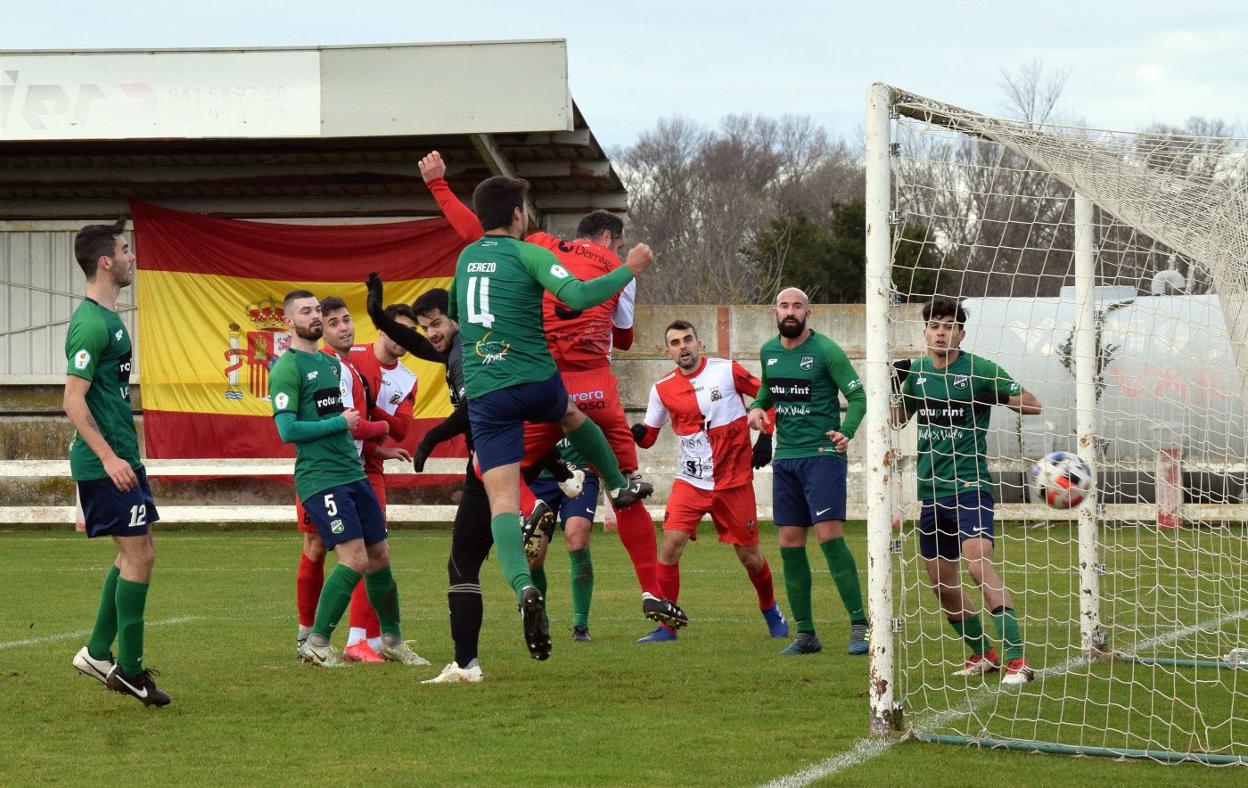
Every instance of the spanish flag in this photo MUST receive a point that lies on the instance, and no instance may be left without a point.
(210, 318)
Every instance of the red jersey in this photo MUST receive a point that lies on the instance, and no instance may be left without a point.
(351, 387)
(577, 339)
(393, 391)
(709, 417)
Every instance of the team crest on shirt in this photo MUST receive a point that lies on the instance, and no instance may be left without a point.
(807, 362)
(491, 350)
(82, 358)
(336, 526)
(396, 398)
(715, 395)
(961, 381)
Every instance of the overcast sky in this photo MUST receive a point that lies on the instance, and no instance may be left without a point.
(630, 63)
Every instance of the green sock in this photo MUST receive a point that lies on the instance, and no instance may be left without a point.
(971, 630)
(1005, 621)
(335, 596)
(592, 444)
(131, 599)
(383, 595)
(797, 585)
(845, 573)
(539, 578)
(582, 570)
(105, 629)
(509, 547)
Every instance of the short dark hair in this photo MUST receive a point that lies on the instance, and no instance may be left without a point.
(496, 199)
(432, 302)
(594, 224)
(95, 241)
(944, 307)
(680, 325)
(399, 310)
(294, 295)
(332, 304)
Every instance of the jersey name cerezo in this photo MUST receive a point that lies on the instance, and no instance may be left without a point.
(307, 385)
(804, 385)
(953, 406)
(98, 350)
(497, 292)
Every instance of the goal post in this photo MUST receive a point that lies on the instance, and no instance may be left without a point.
(1107, 273)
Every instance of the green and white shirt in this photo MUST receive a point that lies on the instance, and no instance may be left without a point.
(497, 298)
(804, 385)
(98, 349)
(953, 406)
(307, 384)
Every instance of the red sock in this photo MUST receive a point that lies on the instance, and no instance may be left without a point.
(362, 614)
(637, 535)
(669, 580)
(308, 582)
(763, 585)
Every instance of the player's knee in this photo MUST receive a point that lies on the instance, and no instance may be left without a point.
(576, 537)
(572, 417)
(751, 558)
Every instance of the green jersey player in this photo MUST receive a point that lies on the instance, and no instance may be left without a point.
(104, 461)
(510, 377)
(306, 393)
(804, 376)
(953, 392)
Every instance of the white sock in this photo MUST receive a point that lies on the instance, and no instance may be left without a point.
(355, 635)
(375, 643)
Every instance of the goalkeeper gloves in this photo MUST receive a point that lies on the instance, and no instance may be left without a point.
(423, 450)
(639, 433)
(901, 370)
(761, 456)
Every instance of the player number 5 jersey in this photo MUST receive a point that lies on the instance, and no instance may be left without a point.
(708, 416)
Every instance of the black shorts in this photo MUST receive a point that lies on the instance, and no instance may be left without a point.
(111, 512)
(345, 512)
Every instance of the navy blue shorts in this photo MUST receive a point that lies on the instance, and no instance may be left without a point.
(345, 512)
(944, 523)
(111, 512)
(584, 505)
(498, 418)
(808, 490)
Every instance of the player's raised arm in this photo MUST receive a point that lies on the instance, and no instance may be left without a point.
(410, 340)
(578, 294)
(461, 217)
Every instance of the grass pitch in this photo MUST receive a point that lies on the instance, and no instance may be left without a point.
(718, 707)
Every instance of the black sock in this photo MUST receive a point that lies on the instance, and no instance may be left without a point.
(466, 612)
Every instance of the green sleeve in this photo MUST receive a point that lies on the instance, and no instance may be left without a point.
(908, 400)
(291, 430)
(995, 379)
(284, 386)
(842, 373)
(577, 294)
(86, 340)
(763, 398)
(452, 308)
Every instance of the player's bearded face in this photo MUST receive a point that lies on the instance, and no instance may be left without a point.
(308, 326)
(791, 325)
(439, 330)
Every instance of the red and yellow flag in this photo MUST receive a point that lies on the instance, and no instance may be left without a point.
(210, 317)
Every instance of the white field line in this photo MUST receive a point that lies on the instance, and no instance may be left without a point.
(869, 748)
(86, 632)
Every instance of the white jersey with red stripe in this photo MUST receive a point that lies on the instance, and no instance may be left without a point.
(351, 387)
(709, 417)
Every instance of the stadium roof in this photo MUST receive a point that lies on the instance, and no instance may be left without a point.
(329, 131)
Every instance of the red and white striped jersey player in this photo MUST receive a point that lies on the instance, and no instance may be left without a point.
(702, 398)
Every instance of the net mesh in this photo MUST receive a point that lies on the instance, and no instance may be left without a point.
(983, 211)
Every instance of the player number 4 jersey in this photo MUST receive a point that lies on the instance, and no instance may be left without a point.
(709, 417)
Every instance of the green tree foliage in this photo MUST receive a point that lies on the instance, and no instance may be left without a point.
(827, 258)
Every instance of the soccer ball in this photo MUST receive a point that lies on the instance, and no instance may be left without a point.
(1061, 480)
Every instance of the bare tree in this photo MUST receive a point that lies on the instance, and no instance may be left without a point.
(701, 197)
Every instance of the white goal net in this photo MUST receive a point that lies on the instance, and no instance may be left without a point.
(1106, 273)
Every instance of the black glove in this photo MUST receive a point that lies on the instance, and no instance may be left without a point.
(639, 432)
(761, 456)
(901, 370)
(375, 292)
(423, 450)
